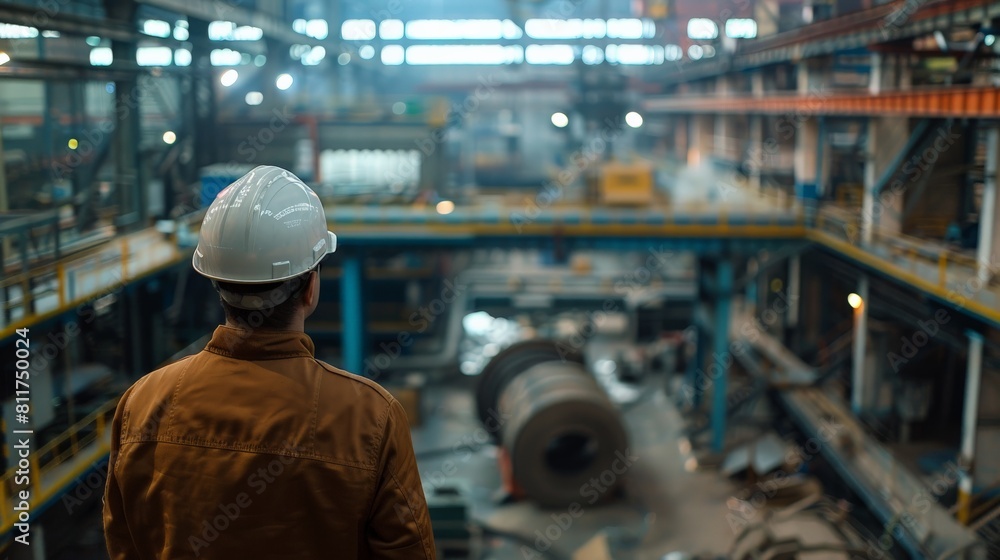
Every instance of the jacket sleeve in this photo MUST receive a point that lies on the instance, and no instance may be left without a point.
(399, 526)
(116, 532)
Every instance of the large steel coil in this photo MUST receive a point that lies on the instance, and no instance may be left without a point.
(558, 426)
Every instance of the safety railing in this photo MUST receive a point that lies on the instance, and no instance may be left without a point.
(748, 208)
(59, 461)
(58, 286)
(955, 274)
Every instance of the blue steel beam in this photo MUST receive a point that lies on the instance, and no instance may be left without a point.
(352, 311)
(720, 339)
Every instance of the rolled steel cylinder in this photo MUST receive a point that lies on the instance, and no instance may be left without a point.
(558, 426)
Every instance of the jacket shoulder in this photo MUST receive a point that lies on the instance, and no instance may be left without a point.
(145, 404)
(371, 386)
(164, 374)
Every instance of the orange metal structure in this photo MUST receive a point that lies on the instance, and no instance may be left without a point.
(960, 102)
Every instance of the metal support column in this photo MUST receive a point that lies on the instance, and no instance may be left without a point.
(793, 334)
(987, 217)
(203, 96)
(794, 290)
(755, 150)
(870, 184)
(970, 417)
(751, 286)
(695, 368)
(125, 143)
(858, 381)
(720, 355)
(352, 313)
(5, 245)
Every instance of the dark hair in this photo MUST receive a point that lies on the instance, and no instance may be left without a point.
(278, 317)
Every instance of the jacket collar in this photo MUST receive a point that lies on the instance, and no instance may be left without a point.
(260, 344)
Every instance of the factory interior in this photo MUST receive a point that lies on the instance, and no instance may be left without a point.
(652, 279)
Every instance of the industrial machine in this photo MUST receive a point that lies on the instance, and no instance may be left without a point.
(626, 184)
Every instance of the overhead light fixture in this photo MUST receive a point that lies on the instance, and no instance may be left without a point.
(4, 58)
(854, 300)
(284, 81)
(560, 120)
(169, 137)
(254, 98)
(445, 207)
(229, 77)
(633, 119)
(73, 143)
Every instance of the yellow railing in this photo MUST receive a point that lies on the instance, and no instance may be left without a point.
(85, 437)
(906, 251)
(53, 288)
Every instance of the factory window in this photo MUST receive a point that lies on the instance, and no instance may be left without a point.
(455, 29)
(101, 56)
(297, 51)
(317, 29)
(225, 57)
(554, 28)
(369, 171)
(358, 30)
(511, 30)
(156, 28)
(549, 54)
(313, 56)
(393, 55)
(463, 54)
(702, 28)
(635, 54)
(181, 32)
(741, 28)
(182, 57)
(11, 31)
(229, 31)
(154, 56)
(627, 28)
(592, 55)
(391, 29)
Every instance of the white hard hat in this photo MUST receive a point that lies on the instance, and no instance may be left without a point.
(266, 227)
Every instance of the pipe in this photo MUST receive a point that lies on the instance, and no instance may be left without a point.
(557, 426)
(970, 416)
(858, 390)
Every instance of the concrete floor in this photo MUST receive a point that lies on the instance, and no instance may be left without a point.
(664, 508)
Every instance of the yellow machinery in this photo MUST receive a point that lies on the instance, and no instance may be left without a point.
(625, 184)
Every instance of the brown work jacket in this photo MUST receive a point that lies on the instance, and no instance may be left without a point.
(251, 449)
